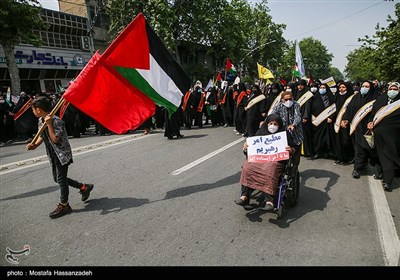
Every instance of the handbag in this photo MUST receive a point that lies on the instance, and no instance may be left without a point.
(369, 137)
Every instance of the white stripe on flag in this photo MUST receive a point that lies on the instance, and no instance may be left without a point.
(161, 82)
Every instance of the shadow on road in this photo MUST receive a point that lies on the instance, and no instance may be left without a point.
(184, 191)
(111, 205)
(310, 199)
(33, 193)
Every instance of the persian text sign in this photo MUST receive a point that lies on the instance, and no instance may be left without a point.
(267, 147)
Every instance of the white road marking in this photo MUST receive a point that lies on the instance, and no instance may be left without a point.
(206, 157)
(386, 228)
(32, 162)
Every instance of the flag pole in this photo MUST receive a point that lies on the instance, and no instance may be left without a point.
(52, 113)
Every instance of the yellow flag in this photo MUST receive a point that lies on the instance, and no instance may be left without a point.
(264, 73)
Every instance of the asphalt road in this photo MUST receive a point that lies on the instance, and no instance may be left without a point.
(160, 202)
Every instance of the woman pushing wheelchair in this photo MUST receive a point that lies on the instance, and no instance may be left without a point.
(264, 176)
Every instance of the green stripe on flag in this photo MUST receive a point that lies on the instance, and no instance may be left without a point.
(133, 76)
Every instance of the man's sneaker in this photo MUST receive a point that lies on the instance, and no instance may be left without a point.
(86, 191)
(61, 210)
(356, 174)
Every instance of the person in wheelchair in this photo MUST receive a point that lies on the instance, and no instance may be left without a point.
(264, 176)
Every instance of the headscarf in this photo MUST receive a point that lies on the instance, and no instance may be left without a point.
(263, 130)
(396, 84)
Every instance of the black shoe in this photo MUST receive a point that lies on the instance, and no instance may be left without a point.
(85, 193)
(242, 202)
(180, 136)
(338, 162)
(316, 156)
(61, 210)
(387, 187)
(356, 174)
(378, 176)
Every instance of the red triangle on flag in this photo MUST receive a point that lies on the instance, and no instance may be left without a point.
(131, 48)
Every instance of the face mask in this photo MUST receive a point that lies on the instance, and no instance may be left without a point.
(392, 93)
(274, 90)
(364, 90)
(313, 89)
(22, 95)
(2, 101)
(289, 89)
(343, 93)
(273, 128)
(288, 103)
(322, 91)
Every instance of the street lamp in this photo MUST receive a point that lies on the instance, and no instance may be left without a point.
(250, 52)
(256, 48)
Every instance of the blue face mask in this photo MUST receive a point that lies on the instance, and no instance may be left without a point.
(364, 90)
(392, 94)
(322, 91)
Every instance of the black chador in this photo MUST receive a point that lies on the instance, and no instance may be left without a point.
(387, 138)
(362, 151)
(305, 110)
(254, 113)
(322, 135)
(343, 146)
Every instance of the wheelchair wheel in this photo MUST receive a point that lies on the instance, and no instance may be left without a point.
(293, 191)
(281, 211)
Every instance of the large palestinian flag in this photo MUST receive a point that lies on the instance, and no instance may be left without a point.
(120, 88)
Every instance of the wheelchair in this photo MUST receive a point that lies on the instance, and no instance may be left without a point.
(288, 189)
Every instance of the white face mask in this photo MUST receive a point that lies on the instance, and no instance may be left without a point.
(364, 90)
(2, 101)
(273, 128)
(288, 103)
(392, 93)
(314, 89)
(289, 89)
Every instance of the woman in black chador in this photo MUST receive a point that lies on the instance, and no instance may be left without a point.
(255, 113)
(362, 151)
(385, 122)
(343, 146)
(322, 134)
(172, 124)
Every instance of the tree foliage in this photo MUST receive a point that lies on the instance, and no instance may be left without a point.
(379, 56)
(18, 19)
(224, 28)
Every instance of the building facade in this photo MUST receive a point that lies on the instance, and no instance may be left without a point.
(66, 47)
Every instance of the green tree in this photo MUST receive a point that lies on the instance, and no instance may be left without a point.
(383, 51)
(223, 28)
(265, 37)
(336, 74)
(388, 53)
(361, 64)
(18, 19)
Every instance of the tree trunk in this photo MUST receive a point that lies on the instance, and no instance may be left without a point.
(12, 69)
